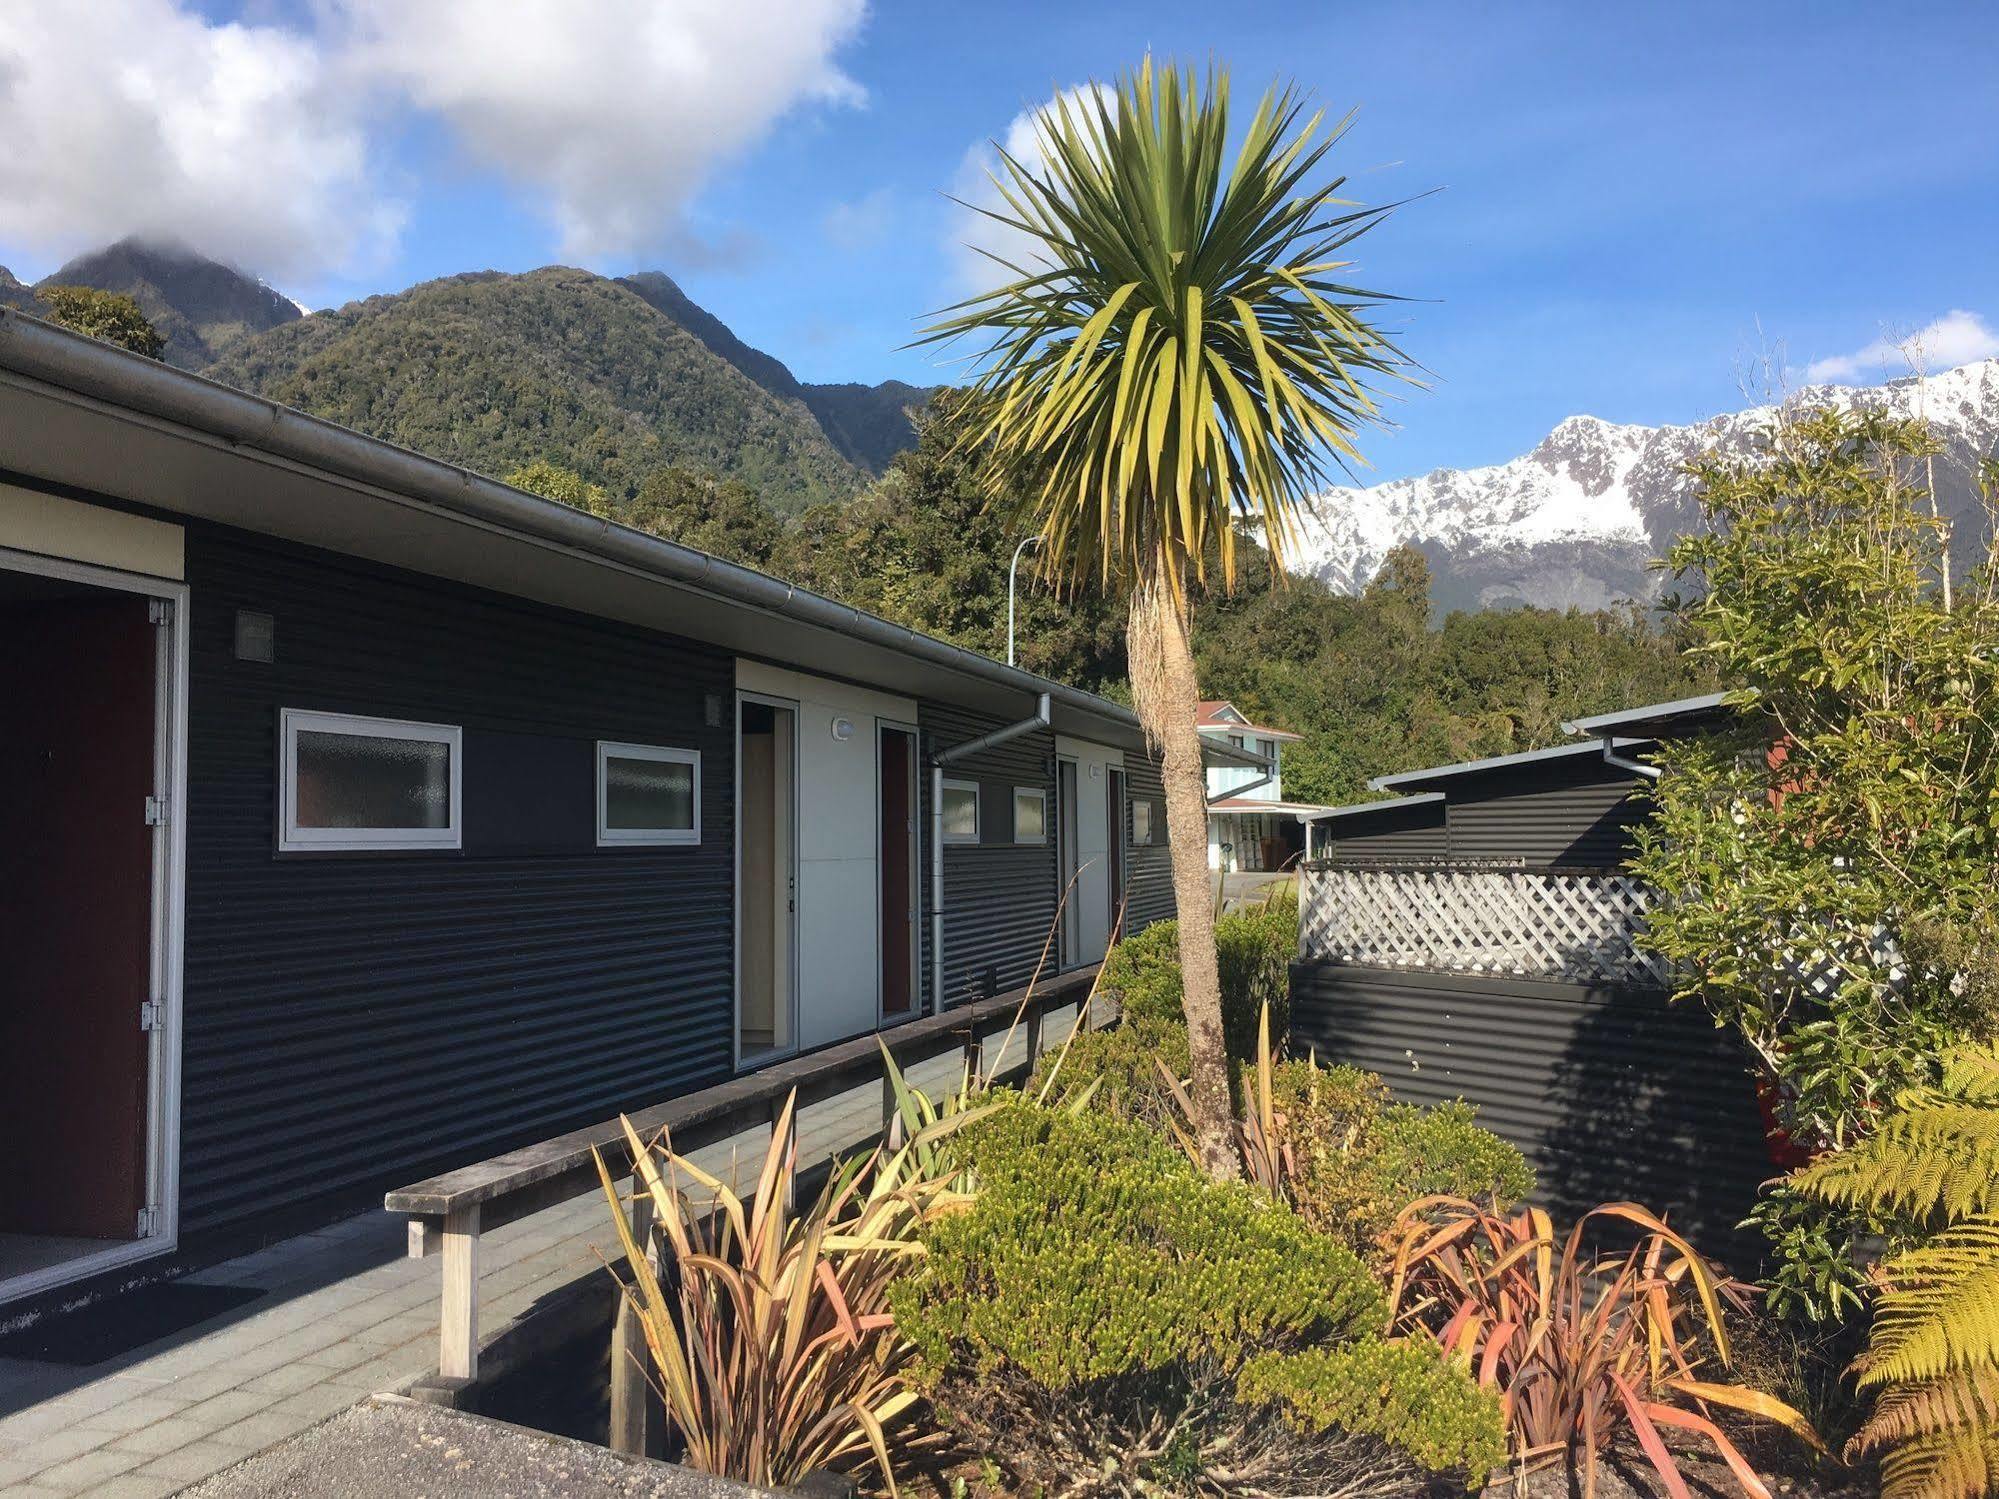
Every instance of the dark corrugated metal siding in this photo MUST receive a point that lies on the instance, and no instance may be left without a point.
(1149, 869)
(999, 897)
(1577, 811)
(1612, 1093)
(355, 1020)
(1394, 835)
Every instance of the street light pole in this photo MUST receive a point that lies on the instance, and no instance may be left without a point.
(1012, 571)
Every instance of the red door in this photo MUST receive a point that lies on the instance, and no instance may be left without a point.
(77, 681)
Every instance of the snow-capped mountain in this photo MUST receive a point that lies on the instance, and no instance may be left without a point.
(1577, 520)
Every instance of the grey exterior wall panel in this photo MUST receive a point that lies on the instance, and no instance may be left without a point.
(1565, 813)
(1611, 1093)
(356, 1019)
(999, 897)
(1395, 835)
(1148, 869)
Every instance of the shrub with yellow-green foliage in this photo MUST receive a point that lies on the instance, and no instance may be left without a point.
(1389, 1389)
(1360, 1158)
(1253, 951)
(1094, 1249)
(1122, 1064)
(1084, 1320)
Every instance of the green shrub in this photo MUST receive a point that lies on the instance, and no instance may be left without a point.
(1085, 1320)
(1362, 1158)
(1253, 953)
(1388, 1389)
(1094, 1250)
(1123, 1064)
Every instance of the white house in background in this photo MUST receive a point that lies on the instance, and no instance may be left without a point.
(1250, 824)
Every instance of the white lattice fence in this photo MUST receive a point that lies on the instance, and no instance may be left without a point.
(1469, 920)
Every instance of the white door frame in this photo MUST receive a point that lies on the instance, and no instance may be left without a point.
(169, 919)
(775, 1054)
(915, 1010)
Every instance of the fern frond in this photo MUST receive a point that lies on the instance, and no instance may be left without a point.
(1957, 1464)
(1967, 1398)
(1937, 1158)
(1972, 1074)
(1939, 1307)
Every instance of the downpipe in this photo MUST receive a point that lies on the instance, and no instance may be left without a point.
(1623, 762)
(938, 761)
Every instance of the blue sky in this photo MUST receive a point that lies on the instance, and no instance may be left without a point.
(1632, 201)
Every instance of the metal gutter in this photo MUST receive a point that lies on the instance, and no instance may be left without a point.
(1474, 767)
(56, 356)
(1388, 804)
(1648, 714)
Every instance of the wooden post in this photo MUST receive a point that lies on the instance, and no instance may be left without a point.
(628, 1380)
(629, 1386)
(1033, 1034)
(458, 1327)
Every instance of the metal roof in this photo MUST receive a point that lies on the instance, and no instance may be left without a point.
(1474, 767)
(84, 414)
(1651, 719)
(1387, 804)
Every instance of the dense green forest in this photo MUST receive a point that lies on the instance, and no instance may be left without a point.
(1372, 681)
(494, 371)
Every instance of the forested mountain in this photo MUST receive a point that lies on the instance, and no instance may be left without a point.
(199, 306)
(493, 371)
(869, 424)
(610, 378)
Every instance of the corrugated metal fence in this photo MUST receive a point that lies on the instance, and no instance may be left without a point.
(1609, 1090)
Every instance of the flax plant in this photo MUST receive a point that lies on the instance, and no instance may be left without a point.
(768, 1330)
(1180, 354)
(1581, 1346)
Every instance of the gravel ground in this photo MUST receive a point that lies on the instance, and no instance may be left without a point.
(413, 1451)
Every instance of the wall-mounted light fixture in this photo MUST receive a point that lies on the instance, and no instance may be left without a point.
(843, 729)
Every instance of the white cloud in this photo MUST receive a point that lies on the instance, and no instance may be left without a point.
(975, 238)
(609, 115)
(1958, 337)
(269, 144)
(140, 115)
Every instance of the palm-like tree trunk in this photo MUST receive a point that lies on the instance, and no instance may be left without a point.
(1166, 692)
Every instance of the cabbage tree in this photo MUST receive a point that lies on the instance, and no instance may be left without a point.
(1176, 355)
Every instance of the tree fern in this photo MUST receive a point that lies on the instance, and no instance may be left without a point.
(1959, 1463)
(1933, 1352)
(1939, 1158)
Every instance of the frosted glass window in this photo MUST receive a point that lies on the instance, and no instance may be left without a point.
(351, 783)
(1141, 823)
(961, 812)
(648, 794)
(1030, 815)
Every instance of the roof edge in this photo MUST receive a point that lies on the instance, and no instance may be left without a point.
(57, 356)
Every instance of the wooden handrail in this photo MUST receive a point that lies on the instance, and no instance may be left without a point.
(449, 1212)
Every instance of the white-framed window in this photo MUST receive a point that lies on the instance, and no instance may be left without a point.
(1030, 814)
(961, 811)
(346, 782)
(647, 794)
(1141, 824)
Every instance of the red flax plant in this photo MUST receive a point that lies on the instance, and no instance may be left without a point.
(1580, 1345)
(768, 1330)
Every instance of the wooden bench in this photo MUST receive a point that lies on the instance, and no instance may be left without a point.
(448, 1213)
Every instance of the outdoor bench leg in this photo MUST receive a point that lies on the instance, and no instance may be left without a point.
(458, 1328)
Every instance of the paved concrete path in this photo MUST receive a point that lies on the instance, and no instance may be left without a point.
(346, 1315)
